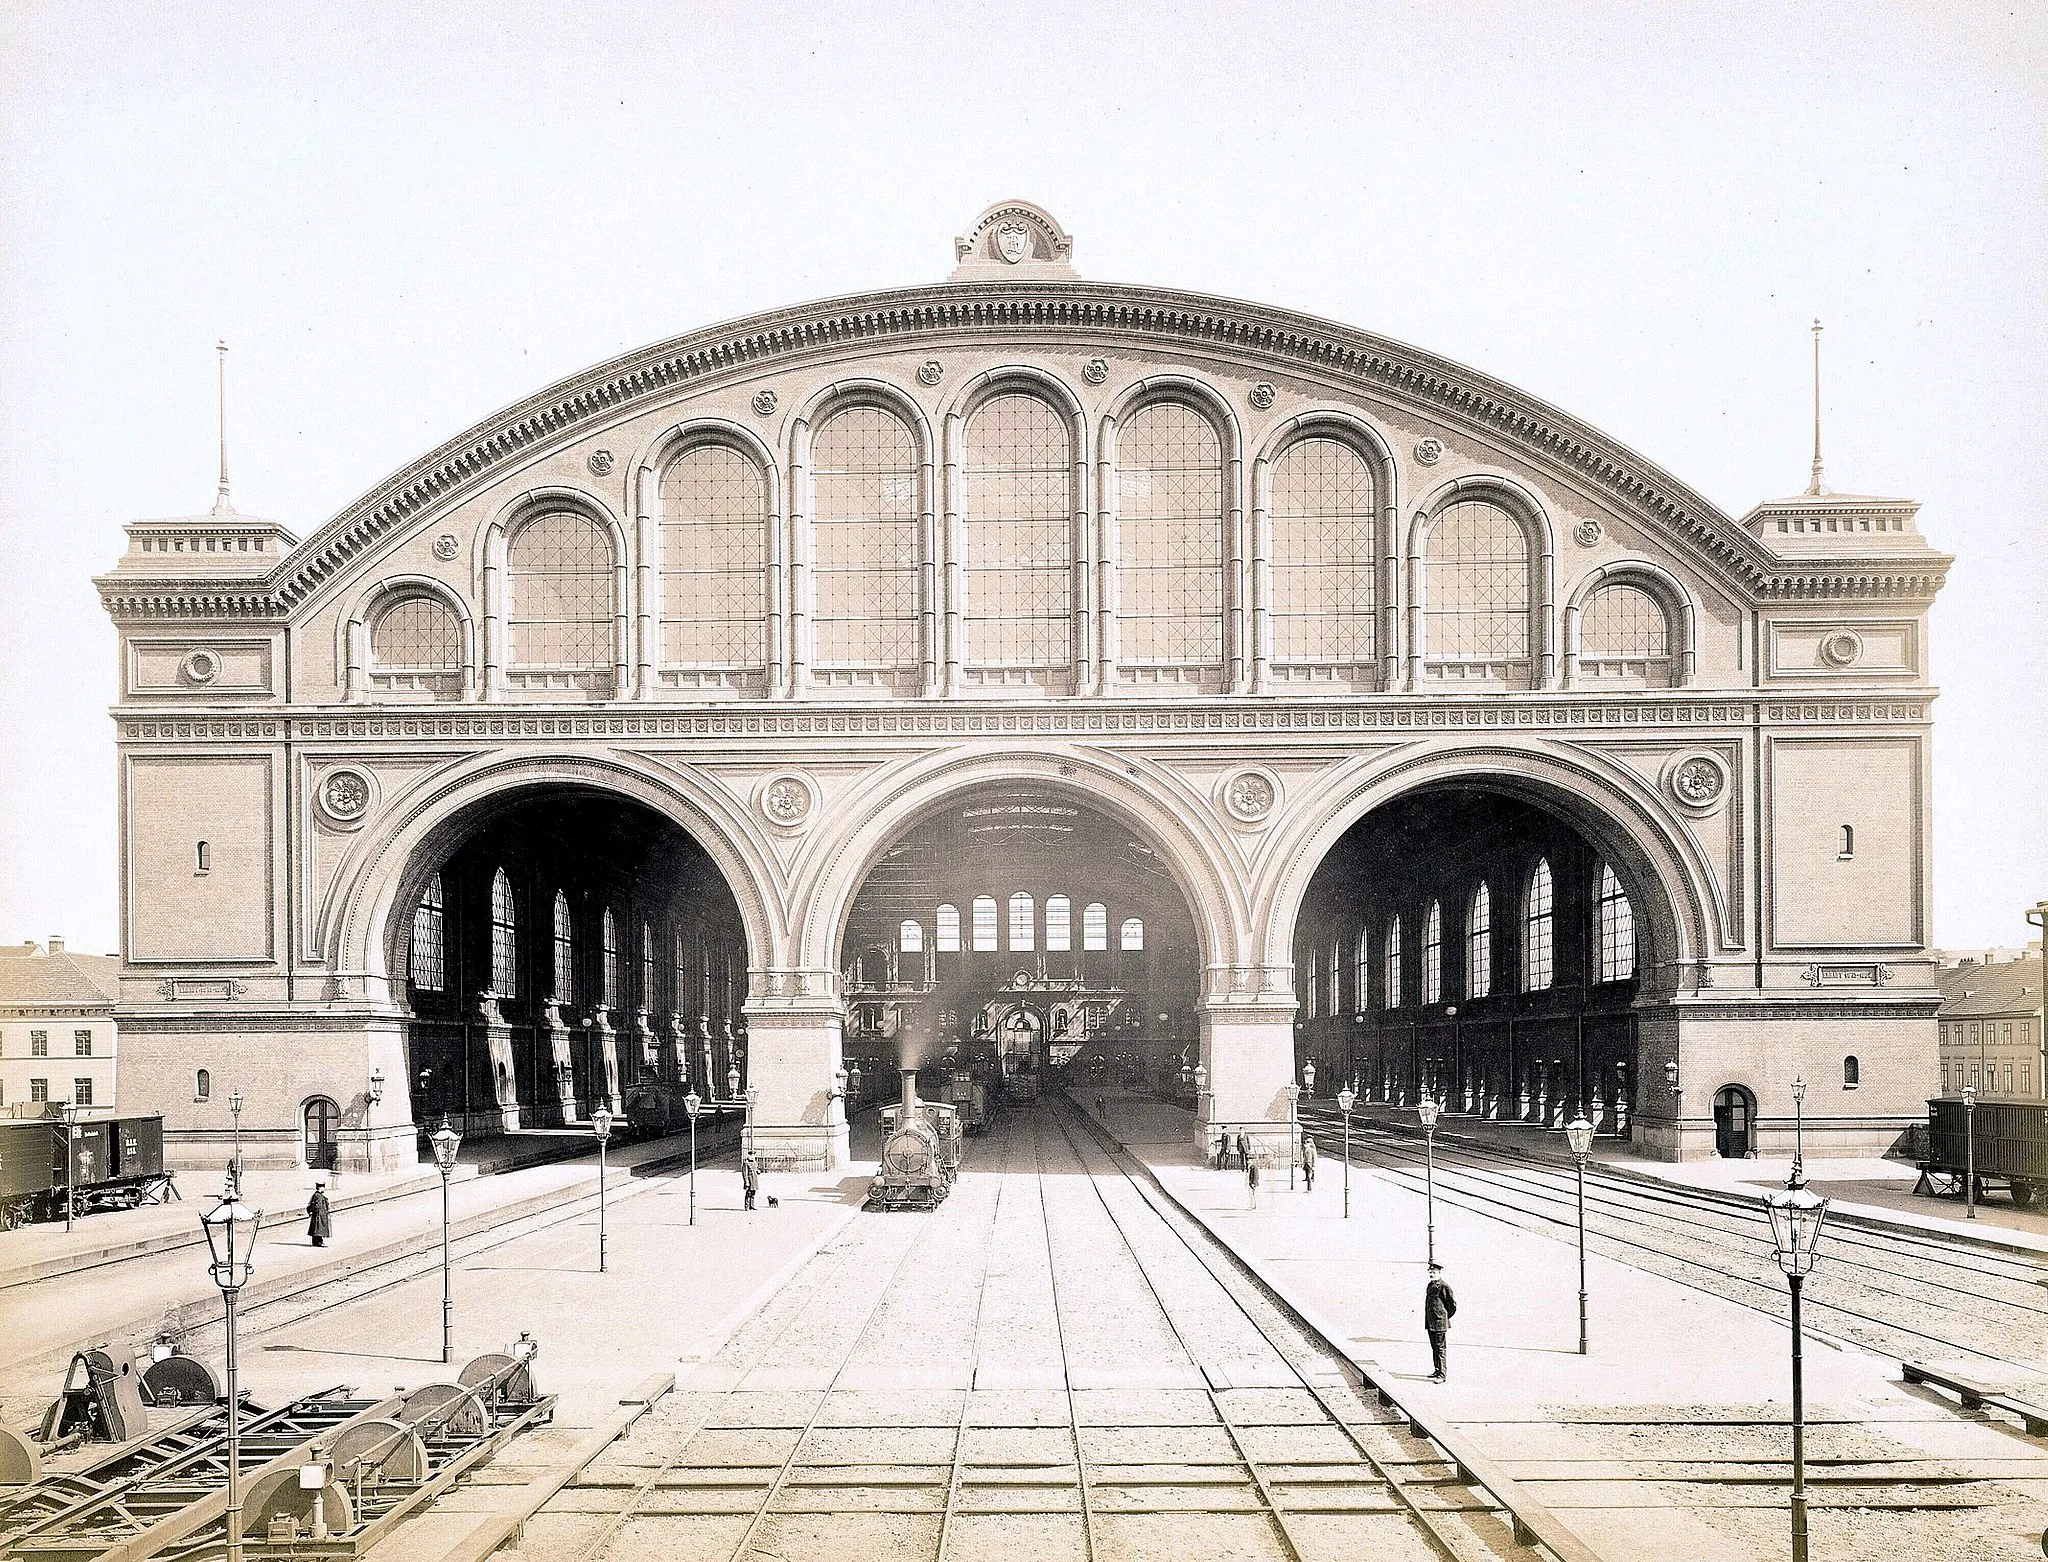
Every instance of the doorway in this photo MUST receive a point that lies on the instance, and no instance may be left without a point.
(1734, 1117)
(322, 1128)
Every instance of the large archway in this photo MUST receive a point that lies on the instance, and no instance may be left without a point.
(1468, 943)
(1016, 933)
(564, 948)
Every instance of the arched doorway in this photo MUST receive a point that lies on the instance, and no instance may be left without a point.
(321, 1120)
(1734, 1122)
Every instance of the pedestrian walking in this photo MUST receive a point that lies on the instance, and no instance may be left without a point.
(750, 1177)
(1244, 1151)
(319, 1218)
(1251, 1179)
(1223, 1152)
(1308, 1160)
(1439, 1307)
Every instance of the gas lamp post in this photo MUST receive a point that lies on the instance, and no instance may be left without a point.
(601, 1120)
(693, 1104)
(1346, 1100)
(1798, 1179)
(732, 1084)
(1427, 1111)
(1970, 1151)
(446, 1141)
(1796, 1217)
(235, 1111)
(1579, 1135)
(230, 1228)
(1308, 1077)
(68, 1110)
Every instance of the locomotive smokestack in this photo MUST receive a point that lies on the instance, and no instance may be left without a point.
(909, 1094)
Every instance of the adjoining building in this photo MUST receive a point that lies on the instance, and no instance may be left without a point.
(1057, 666)
(58, 1038)
(1991, 1026)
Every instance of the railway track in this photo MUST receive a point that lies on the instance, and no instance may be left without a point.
(1047, 1365)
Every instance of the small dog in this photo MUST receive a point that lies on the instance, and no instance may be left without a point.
(774, 1202)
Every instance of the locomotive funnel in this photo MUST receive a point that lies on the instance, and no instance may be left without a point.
(909, 1094)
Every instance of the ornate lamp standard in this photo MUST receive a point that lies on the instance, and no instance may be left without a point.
(235, 1111)
(1796, 1217)
(1579, 1135)
(732, 1084)
(1798, 1178)
(601, 1121)
(1293, 1132)
(1427, 1110)
(446, 1142)
(1970, 1151)
(230, 1228)
(68, 1110)
(853, 1083)
(693, 1104)
(1346, 1100)
(1308, 1077)
(2038, 917)
(753, 1102)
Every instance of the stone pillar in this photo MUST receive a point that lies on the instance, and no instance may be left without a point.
(603, 1061)
(707, 1085)
(1248, 1049)
(556, 1103)
(675, 1064)
(494, 1101)
(793, 1060)
(646, 1059)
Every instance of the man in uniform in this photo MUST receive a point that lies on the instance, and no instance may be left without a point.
(750, 1177)
(1439, 1307)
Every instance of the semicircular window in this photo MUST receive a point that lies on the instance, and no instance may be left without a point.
(714, 549)
(562, 604)
(1476, 585)
(1625, 638)
(416, 646)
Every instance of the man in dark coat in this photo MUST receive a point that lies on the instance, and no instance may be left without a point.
(319, 1218)
(1308, 1160)
(750, 1178)
(1439, 1307)
(1244, 1151)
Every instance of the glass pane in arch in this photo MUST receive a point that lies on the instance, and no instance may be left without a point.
(1325, 565)
(910, 938)
(1615, 926)
(1094, 927)
(1477, 583)
(1479, 943)
(1539, 934)
(429, 972)
(984, 923)
(504, 938)
(416, 634)
(864, 541)
(1019, 526)
(1625, 637)
(714, 542)
(1169, 539)
(1132, 938)
(1433, 954)
(1059, 925)
(947, 921)
(1023, 922)
(562, 605)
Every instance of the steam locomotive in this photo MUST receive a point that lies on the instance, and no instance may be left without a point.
(920, 1152)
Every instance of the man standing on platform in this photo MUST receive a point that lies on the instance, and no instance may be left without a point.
(1308, 1160)
(319, 1217)
(1439, 1307)
(750, 1177)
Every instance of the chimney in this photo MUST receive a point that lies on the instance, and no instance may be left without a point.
(909, 1094)
(56, 945)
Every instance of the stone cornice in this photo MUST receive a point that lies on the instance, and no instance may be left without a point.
(1084, 315)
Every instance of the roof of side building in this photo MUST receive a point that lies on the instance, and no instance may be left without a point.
(60, 978)
(2012, 987)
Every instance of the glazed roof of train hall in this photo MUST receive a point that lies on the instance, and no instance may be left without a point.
(261, 570)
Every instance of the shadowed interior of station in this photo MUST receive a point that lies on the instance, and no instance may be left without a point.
(1474, 947)
(570, 950)
(1021, 933)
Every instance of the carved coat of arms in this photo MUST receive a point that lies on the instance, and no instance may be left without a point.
(1013, 241)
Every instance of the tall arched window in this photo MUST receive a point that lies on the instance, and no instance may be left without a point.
(1325, 566)
(1539, 933)
(714, 551)
(910, 938)
(1479, 943)
(429, 930)
(1625, 638)
(1615, 924)
(1023, 922)
(1477, 591)
(1336, 979)
(562, 604)
(1094, 926)
(1019, 525)
(1315, 983)
(947, 921)
(504, 937)
(1132, 938)
(1361, 973)
(864, 542)
(1059, 924)
(565, 951)
(984, 923)
(1433, 954)
(1169, 540)
(647, 966)
(608, 968)
(416, 643)
(1393, 974)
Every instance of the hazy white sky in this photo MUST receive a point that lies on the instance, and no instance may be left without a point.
(402, 216)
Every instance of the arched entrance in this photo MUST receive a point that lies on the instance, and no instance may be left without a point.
(320, 1135)
(1470, 944)
(1018, 936)
(1734, 1122)
(567, 948)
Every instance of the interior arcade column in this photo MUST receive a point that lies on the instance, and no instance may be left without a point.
(1248, 1050)
(792, 1060)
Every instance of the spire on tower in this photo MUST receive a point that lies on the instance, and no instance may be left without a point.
(1814, 488)
(221, 506)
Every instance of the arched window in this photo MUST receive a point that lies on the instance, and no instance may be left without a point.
(647, 966)
(1477, 590)
(948, 924)
(1336, 979)
(1315, 982)
(1361, 973)
(1625, 638)
(714, 545)
(1132, 937)
(429, 928)
(1059, 924)
(1019, 525)
(416, 643)
(910, 938)
(984, 923)
(864, 541)
(1023, 922)
(202, 1085)
(1614, 921)
(1852, 1072)
(504, 938)
(1479, 943)
(562, 605)
(565, 951)
(1169, 540)
(1094, 926)
(1393, 974)
(1325, 565)
(1539, 933)
(1433, 954)
(608, 967)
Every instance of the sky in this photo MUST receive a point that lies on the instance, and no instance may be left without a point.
(404, 216)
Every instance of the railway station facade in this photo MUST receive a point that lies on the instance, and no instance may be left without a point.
(1077, 671)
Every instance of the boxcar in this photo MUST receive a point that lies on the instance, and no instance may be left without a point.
(2011, 1149)
(118, 1163)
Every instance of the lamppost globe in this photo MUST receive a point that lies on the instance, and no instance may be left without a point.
(601, 1123)
(1346, 1100)
(446, 1140)
(1201, 1077)
(732, 1083)
(1578, 1134)
(1308, 1076)
(1797, 1215)
(693, 1104)
(1427, 1112)
(230, 1228)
